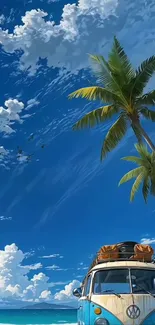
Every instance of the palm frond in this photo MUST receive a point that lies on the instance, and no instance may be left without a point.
(143, 151)
(148, 114)
(101, 69)
(96, 116)
(153, 157)
(94, 93)
(139, 161)
(142, 77)
(120, 63)
(131, 174)
(146, 188)
(145, 172)
(114, 135)
(136, 185)
(146, 99)
(105, 76)
(134, 159)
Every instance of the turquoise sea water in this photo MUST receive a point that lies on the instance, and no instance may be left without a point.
(40, 316)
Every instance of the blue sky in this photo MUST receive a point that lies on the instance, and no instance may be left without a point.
(62, 201)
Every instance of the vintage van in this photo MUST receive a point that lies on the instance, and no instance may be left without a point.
(119, 288)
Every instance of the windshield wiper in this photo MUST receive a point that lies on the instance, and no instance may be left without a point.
(142, 289)
(112, 291)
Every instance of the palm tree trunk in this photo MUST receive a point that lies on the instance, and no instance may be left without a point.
(144, 135)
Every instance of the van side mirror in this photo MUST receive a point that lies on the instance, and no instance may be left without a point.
(77, 292)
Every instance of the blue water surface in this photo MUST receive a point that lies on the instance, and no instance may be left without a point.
(40, 316)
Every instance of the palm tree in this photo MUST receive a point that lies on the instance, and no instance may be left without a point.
(144, 173)
(122, 90)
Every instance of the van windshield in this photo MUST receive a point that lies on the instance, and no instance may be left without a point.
(117, 281)
(113, 280)
(143, 280)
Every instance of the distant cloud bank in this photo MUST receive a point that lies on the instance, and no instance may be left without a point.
(17, 284)
(86, 27)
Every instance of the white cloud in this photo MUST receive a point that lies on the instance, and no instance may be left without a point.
(15, 282)
(51, 1)
(147, 241)
(9, 114)
(3, 152)
(55, 268)
(22, 158)
(2, 19)
(58, 283)
(52, 256)
(52, 41)
(31, 102)
(2, 218)
(86, 27)
(27, 115)
(79, 276)
(45, 295)
(29, 254)
(35, 266)
(67, 293)
(82, 268)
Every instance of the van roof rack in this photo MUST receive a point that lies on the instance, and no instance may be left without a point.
(126, 253)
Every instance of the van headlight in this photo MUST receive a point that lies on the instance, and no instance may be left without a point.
(101, 321)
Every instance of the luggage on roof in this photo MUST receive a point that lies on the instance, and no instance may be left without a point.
(143, 253)
(108, 252)
(124, 251)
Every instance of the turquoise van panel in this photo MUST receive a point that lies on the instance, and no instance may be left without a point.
(86, 312)
(105, 314)
(83, 314)
(150, 320)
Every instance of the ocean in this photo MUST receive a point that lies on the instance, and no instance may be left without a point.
(38, 316)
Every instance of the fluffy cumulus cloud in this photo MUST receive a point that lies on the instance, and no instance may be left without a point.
(67, 293)
(85, 27)
(9, 114)
(46, 295)
(14, 280)
(17, 284)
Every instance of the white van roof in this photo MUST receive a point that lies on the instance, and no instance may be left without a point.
(125, 264)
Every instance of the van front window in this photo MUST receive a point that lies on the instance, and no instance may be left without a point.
(143, 281)
(111, 281)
